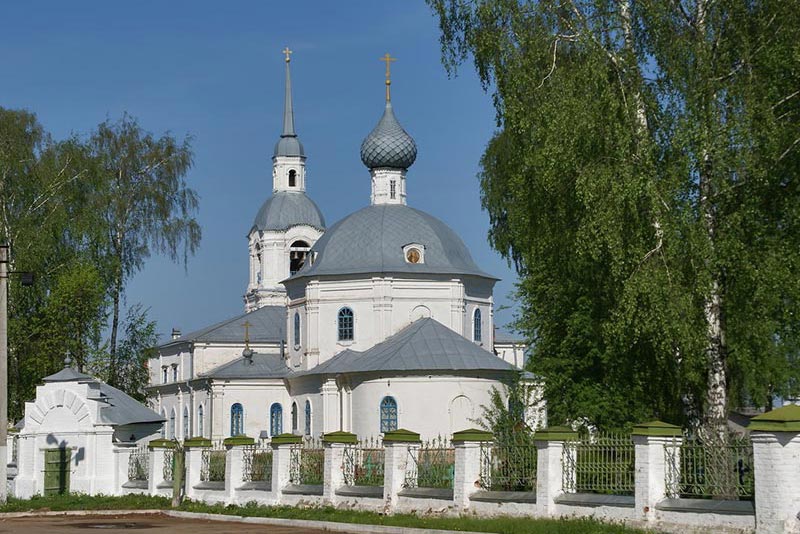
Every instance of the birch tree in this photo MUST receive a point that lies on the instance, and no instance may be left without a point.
(642, 180)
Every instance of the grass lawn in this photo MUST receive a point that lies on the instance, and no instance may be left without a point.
(500, 525)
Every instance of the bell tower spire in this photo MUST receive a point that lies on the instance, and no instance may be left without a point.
(289, 158)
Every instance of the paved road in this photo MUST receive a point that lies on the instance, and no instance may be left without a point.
(134, 524)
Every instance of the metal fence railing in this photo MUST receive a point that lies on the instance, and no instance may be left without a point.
(719, 467)
(212, 464)
(168, 468)
(603, 463)
(431, 465)
(138, 463)
(508, 465)
(306, 463)
(363, 463)
(257, 464)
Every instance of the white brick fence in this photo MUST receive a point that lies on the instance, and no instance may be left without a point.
(403, 475)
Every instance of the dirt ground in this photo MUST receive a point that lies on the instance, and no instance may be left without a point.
(150, 524)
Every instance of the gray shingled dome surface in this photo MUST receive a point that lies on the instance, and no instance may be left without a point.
(424, 345)
(286, 209)
(371, 240)
(289, 146)
(388, 144)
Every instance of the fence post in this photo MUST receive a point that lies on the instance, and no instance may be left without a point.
(549, 470)
(776, 464)
(234, 464)
(122, 454)
(155, 464)
(395, 444)
(193, 463)
(466, 479)
(334, 444)
(649, 441)
(281, 460)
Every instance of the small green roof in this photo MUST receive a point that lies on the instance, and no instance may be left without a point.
(784, 419)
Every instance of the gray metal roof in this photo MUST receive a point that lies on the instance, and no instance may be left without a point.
(68, 374)
(267, 324)
(425, 345)
(288, 144)
(371, 240)
(388, 144)
(259, 366)
(503, 336)
(285, 209)
(117, 407)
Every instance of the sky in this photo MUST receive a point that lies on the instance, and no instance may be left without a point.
(214, 71)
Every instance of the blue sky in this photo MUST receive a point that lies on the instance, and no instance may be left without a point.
(215, 71)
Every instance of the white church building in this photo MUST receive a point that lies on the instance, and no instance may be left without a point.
(380, 321)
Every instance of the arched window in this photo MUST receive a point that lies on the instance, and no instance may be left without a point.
(237, 420)
(172, 424)
(297, 255)
(186, 427)
(164, 429)
(294, 418)
(275, 420)
(388, 414)
(296, 329)
(200, 421)
(308, 418)
(292, 178)
(345, 324)
(476, 326)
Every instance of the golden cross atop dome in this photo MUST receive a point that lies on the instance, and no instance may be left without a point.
(287, 52)
(388, 59)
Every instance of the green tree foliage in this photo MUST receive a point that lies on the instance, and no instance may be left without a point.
(641, 181)
(83, 215)
(145, 206)
(136, 347)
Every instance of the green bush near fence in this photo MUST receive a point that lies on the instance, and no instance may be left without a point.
(312, 466)
(262, 466)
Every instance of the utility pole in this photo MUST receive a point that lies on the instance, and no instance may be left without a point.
(3, 373)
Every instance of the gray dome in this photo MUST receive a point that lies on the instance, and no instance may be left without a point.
(371, 240)
(289, 146)
(388, 145)
(286, 209)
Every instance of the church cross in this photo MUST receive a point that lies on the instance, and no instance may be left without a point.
(247, 326)
(286, 52)
(388, 59)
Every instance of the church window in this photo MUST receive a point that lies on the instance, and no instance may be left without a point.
(297, 256)
(308, 418)
(476, 326)
(275, 420)
(200, 420)
(392, 189)
(237, 420)
(164, 428)
(174, 372)
(345, 324)
(164, 375)
(186, 423)
(296, 329)
(172, 424)
(294, 418)
(388, 414)
(292, 178)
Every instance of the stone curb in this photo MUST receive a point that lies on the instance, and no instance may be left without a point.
(330, 526)
(77, 513)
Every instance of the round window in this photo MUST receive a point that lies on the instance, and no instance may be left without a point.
(413, 255)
